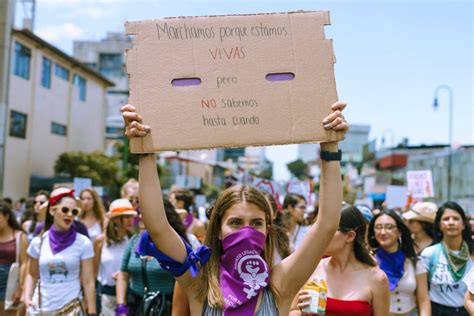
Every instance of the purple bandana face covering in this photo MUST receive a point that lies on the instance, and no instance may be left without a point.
(244, 273)
(61, 240)
(188, 220)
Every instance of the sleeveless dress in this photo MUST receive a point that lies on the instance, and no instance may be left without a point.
(335, 307)
(267, 307)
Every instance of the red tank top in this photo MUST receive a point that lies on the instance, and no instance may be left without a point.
(335, 307)
(8, 251)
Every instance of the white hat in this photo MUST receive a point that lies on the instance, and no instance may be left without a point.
(422, 211)
(121, 207)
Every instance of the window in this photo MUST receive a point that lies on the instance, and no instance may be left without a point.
(111, 65)
(58, 129)
(22, 59)
(17, 124)
(80, 82)
(46, 73)
(61, 72)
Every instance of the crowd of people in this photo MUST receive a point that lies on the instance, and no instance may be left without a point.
(149, 253)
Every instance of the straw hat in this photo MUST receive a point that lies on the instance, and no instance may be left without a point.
(121, 207)
(422, 211)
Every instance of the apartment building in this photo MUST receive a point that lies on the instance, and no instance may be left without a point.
(55, 104)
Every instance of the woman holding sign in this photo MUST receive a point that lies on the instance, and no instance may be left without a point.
(238, 277)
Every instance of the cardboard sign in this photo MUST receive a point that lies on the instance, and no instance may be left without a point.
(396, 196)
(304, 188)
(227, 81)
(81, 184)
(420, 183)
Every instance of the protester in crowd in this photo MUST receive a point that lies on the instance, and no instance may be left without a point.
(280, 233)
(12, 240)
(469, 296)
(93, 212)
(240, 223)
(449, 260)
(356, 286)
(407, 275)
(29, 210)
(41, 227)
(421, 223)
(40, 198)
(109, 248)
(129, 191)
(131, 274)
(183, 199)
(295, 206)
(60, 261)
(19, 208)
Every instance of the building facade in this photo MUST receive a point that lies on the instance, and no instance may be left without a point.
(55, 104)
(108, 58)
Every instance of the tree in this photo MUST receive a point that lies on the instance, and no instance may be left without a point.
(103, 170)
(298, 169)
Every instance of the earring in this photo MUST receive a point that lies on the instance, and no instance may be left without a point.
(400, 241)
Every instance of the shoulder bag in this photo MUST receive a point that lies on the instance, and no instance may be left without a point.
(153, 303)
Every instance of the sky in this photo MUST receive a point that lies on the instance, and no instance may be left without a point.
(391, 56)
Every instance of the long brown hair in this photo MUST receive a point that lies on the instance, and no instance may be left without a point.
(98, 206)
(209, 281)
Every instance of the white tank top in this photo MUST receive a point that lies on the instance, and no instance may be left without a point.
(110, 261)
(94, 230)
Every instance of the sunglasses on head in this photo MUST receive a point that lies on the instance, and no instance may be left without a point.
(74, 211)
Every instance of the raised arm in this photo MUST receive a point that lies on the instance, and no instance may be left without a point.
(165, 238)
(291, 273)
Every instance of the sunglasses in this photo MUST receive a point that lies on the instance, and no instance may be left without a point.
(133, 199)
(67, 210)
(387, 227)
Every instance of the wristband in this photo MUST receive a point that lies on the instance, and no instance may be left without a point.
(331, 155)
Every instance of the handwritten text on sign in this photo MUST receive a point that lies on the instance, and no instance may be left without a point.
(420, 183)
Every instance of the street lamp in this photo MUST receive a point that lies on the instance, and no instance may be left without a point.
(435, 106)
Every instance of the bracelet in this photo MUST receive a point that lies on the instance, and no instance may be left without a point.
(121, 309)
(331, 155)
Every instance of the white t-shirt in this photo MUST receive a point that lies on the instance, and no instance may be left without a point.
(443, 289)
(469, 280)
(193, 241)
(402, 298)
(110, 262)
(298, 235)
(59, 273)
(94, 231)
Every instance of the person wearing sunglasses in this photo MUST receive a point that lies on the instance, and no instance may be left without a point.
(407, 275)
(356, 286)
(60, 261)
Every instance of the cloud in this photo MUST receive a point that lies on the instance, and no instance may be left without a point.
(57, 33)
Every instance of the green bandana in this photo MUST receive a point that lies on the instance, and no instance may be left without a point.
(457, 261)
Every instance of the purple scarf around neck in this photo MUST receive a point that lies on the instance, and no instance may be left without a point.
(244, 273)
(393, 264)
(60, 240)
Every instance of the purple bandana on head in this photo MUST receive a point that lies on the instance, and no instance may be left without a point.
(188, 220)
(244, 273)
(61, 240)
